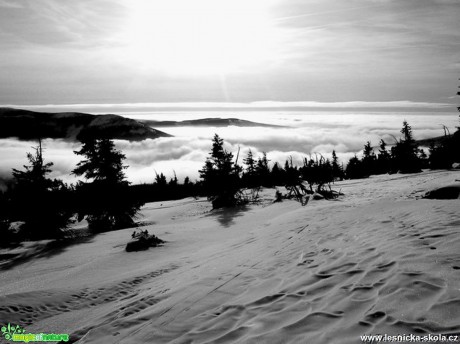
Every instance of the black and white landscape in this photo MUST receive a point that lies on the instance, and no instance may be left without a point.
(198, 171)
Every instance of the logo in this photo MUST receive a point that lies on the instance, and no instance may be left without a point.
(16, 333)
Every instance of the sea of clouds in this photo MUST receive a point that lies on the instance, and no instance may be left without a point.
(300, 135)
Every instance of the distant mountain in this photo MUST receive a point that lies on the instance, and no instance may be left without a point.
(30, 125)
(439, 139)
(427, 142)
(209, 122)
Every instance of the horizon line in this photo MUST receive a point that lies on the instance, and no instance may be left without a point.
(256, 105)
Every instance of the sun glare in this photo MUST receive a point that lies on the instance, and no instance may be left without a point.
(199, 36)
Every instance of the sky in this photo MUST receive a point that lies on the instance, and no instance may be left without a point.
(229, 51)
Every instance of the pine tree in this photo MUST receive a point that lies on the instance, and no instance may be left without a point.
(277, 175)
(407, 132)
(250, 163)
(41, 202)
(337, 171)
(368, 160)
(173, 182)
(160, 180)
(383, 159)
(220, 176)
(105, 199)
(355, 169)
(103, 162)
(263, 171)
(405, 152)
(293, 177)
(368, 151)
(249, 178)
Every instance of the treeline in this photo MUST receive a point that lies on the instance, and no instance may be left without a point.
(224, 181)
(225, 174)
(45, 207)
(223, 178)
(405, 156)
(165, 190)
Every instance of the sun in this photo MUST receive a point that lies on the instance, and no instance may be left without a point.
(198, 37)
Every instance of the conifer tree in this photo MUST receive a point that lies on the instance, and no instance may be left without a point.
(41, 202)
(249, 176)
(250, 163)
(220, 176)
(355, 169)
(407, 132)
(160, 180)
(173, 182)
(405, 152)
(383, 159)
(277, 175)
(368, 160)
(103, 163)
(368, 151)
(292, 173)
(337, 171)
(263, 171)
(105, 199)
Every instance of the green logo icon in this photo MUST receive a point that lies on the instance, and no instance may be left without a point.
(16, 333)
(10, 330)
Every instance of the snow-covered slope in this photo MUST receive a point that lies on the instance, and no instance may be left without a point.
(378, 260)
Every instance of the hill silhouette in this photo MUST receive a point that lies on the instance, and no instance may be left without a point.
(210, 122)
(31, 125)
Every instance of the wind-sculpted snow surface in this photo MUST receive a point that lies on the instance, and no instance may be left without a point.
(380, 259)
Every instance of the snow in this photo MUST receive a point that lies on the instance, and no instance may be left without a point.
(380, 259)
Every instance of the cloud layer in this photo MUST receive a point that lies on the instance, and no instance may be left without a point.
(186, 152)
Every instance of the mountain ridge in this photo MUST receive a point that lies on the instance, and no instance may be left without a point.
(73, 126)
(210, 122)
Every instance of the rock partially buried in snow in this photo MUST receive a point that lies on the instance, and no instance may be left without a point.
(446, 192)
(143, 241)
